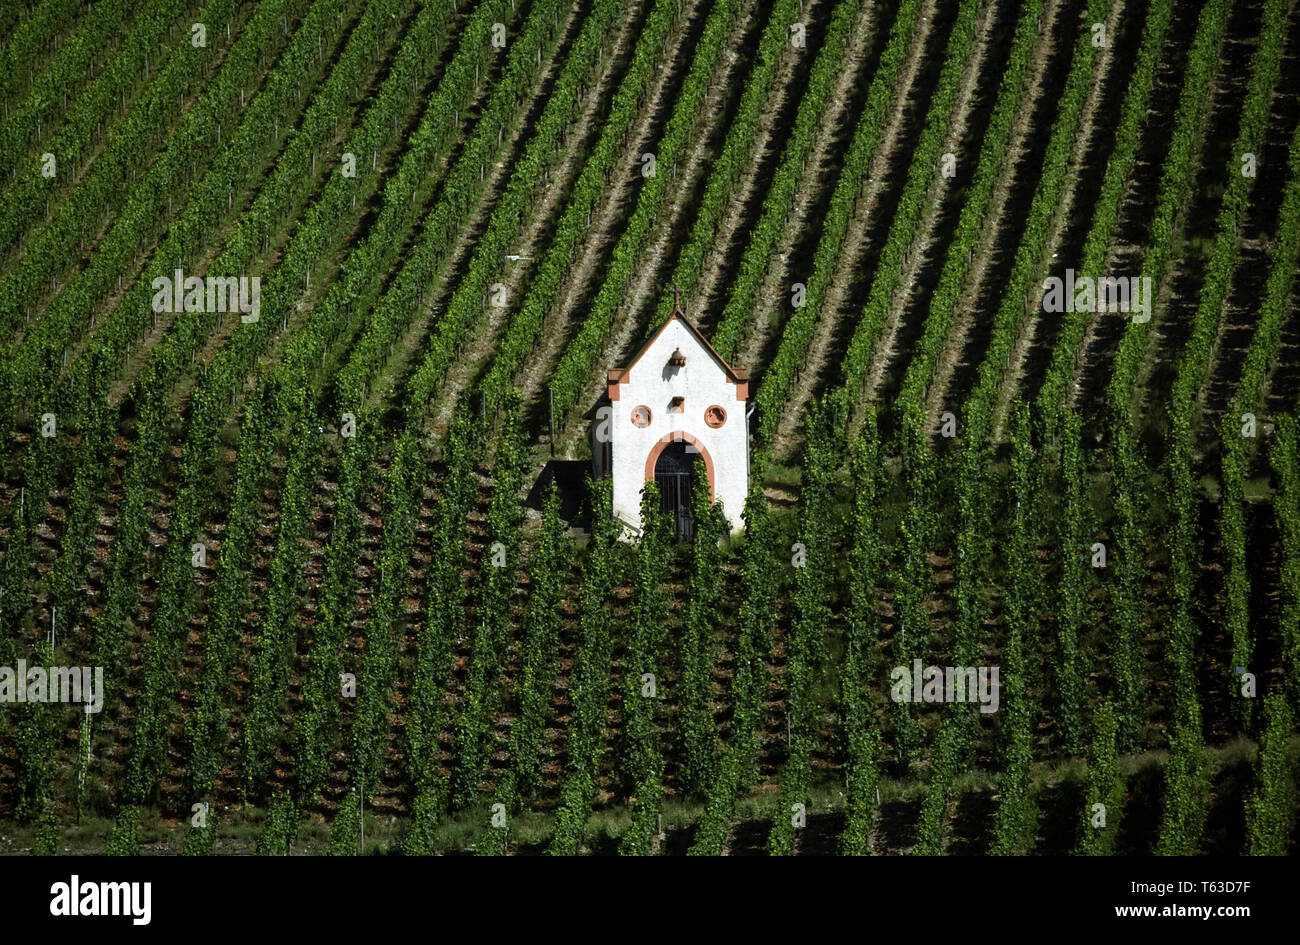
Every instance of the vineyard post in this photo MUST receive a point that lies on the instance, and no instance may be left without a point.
(83, 748)
(550, 406)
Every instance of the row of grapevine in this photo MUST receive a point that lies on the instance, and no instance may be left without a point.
(997, 137)
(37, 476)
(954, 734)
(861, 631)
(205, 732)
(385, 623)
(1176, 178)
(37, 727)
(867, 137)
(318, 717)
(579, 359)
(1130, 494)
(1186, 783)
(1273, 304)
(281, 828)
(640, 761)
(1032, 248)
(73, 68)
(345, 831)
(56, 244)
(23, 515)
(1051, 399)
(736, 155)
(498, 566)
(1014, 825)
(1265, 68)
(462, 183)
(810, 611)
(140, 476)
(34, 739)
(1236, 579)
(922, 174)
(1105, 786)
(778, 202)
(548, 568)
(1185, 794)
(435, 638)
(274, 636)
(1128, 469)
(933, 818)
(606, 155)
(124, 838)
(909, 581)
(1277, 289)
(201, 839)
(1270, 808)
(76, 542)
(759, 589)
(109, 627)
(269, 407)
(699, 646)
(1284, 456)
(1073, 616)
(229, 366)
(31, 38)
(589, 682)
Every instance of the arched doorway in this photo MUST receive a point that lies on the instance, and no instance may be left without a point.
(674, 475)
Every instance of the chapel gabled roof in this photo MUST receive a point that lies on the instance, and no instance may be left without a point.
(616, 375)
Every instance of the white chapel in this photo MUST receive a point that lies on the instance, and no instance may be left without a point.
(677, 410)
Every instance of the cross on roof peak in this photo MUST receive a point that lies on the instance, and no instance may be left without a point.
(677, 304)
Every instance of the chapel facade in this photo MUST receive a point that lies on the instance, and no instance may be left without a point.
(675, 412)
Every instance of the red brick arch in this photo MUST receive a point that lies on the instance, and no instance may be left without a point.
(679, 436)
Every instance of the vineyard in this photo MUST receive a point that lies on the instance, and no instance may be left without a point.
(304, 309)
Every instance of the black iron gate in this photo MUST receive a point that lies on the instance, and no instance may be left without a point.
(674, 475)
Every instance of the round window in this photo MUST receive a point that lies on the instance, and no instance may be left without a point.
(641, 416)
(715, 416)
